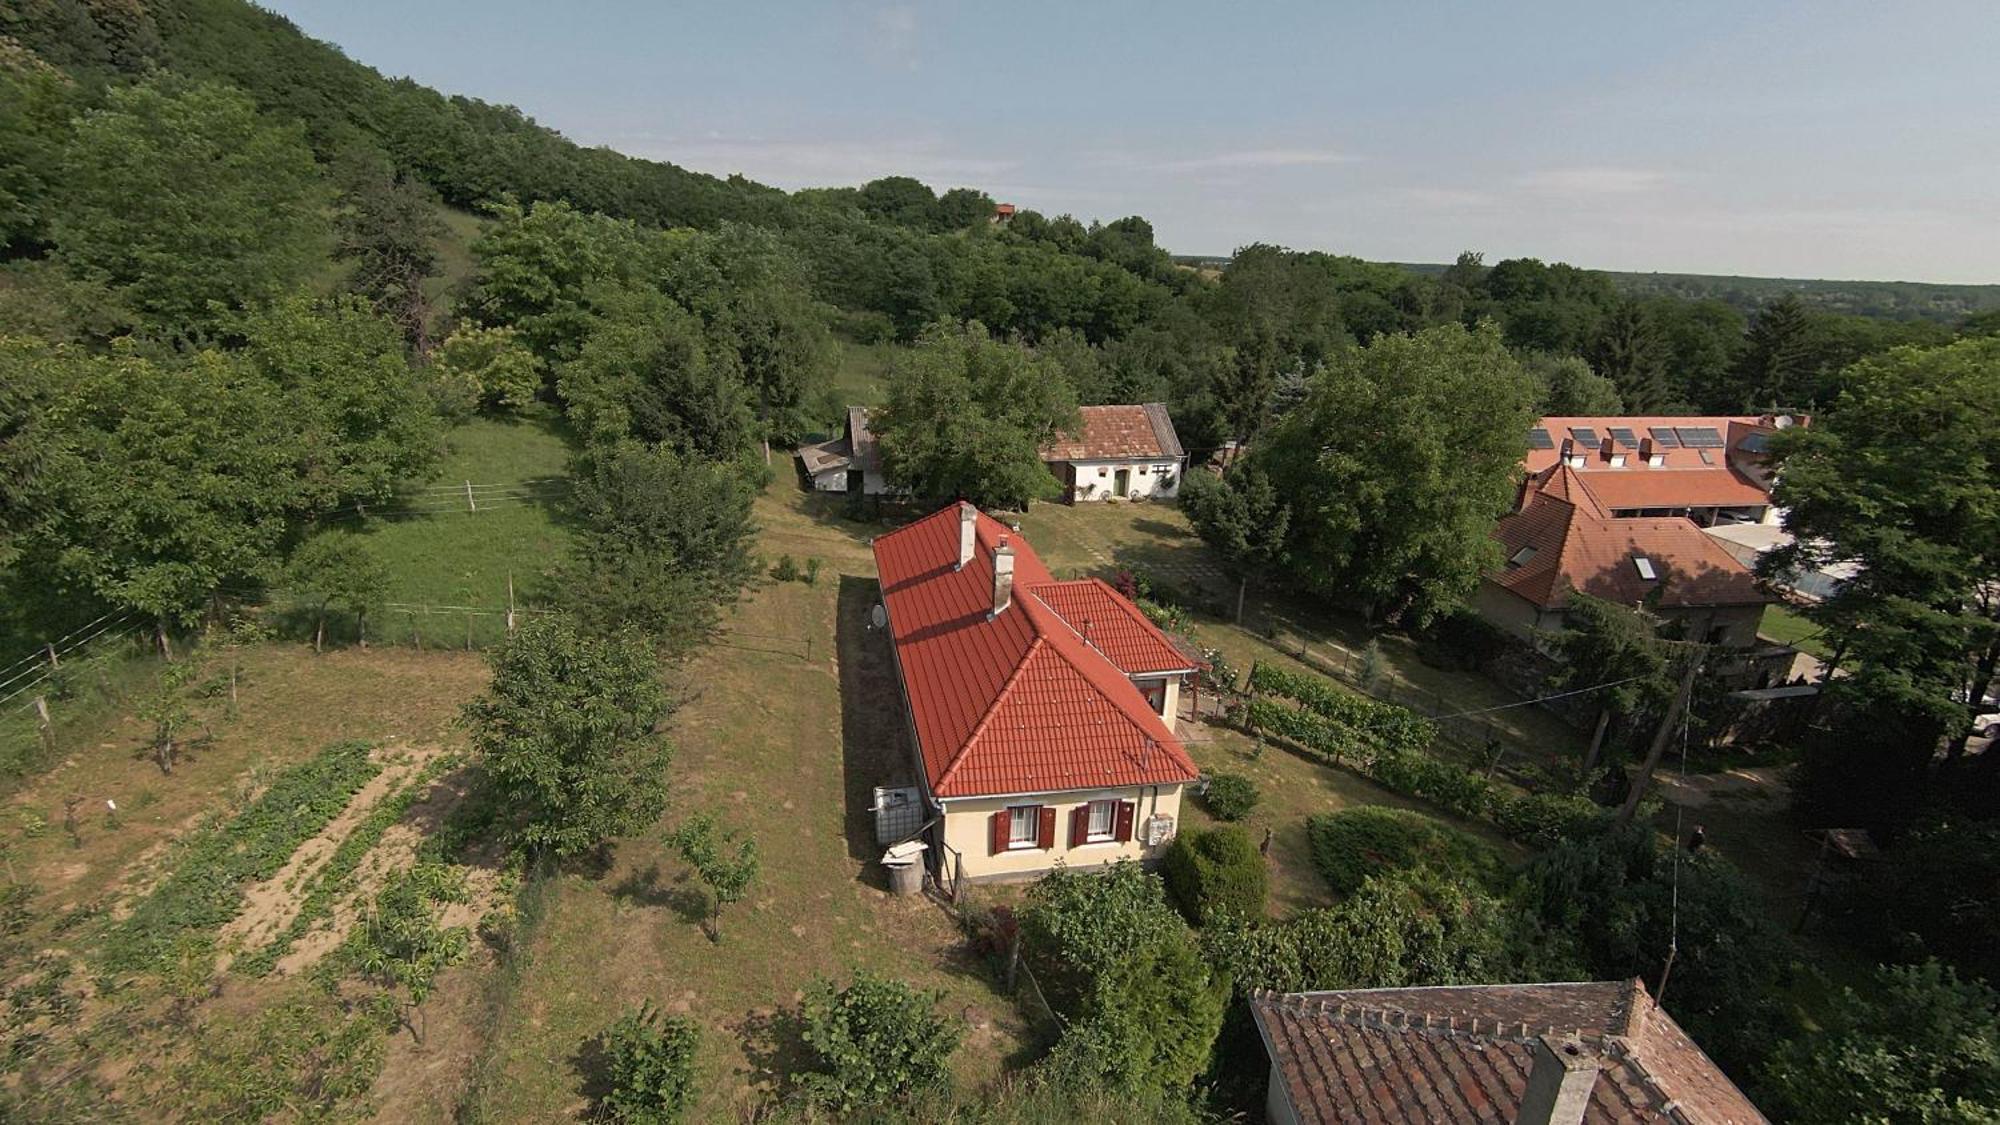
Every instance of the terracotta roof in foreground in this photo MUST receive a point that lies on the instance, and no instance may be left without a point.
(1464, 1053)
(1016, 702)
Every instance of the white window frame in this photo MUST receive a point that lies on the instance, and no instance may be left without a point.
(1110, 833)
(1016, 814)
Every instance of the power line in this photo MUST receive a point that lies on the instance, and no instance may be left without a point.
(1542, 699)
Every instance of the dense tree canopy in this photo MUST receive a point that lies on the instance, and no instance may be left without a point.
(187, 204)
(1396, 466)
(967, 417)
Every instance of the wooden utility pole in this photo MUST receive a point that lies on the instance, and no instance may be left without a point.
(1661, 737)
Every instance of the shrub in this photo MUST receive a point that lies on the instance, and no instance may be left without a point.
(812, 570)
(1215, 873)
(1118, 963)
(649, 1063)
(1230, 796)
(785, 569)
(874, 1041)
(1353, 845)
(1542, 820)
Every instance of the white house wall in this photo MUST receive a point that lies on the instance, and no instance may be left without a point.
(1151, 480)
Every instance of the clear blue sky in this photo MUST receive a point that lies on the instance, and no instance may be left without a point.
(1825, 139)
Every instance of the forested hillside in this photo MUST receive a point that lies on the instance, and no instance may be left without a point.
(265, 314)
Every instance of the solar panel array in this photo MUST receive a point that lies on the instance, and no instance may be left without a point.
(1583, 434)
(1624, 436)
(1538, 438)
(1664, 437)
(1700, 437)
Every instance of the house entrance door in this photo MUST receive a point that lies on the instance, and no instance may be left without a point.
(1121, 482)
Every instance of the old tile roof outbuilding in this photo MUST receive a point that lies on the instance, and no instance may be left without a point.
(1463, 1054)
(1018, 701)
(1119, 433)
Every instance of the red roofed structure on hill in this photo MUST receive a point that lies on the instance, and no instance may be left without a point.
(1030, 698)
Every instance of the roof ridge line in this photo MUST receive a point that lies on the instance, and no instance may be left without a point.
(992, 709)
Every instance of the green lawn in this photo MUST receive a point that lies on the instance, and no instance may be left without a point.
(442, 551)
(1785, 626)
(862, 377)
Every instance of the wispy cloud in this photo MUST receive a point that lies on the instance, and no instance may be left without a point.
(1255, 158)
(1593, 180)
(894, 34)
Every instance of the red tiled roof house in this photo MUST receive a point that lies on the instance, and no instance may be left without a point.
(1041, 711)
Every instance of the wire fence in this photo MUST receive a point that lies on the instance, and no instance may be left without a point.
(468, 497)
(24, 681)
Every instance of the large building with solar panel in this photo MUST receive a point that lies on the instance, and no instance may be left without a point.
(1621, 508)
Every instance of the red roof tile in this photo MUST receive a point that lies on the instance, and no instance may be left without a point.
(1111, 433)
(1727, 478)
(1559, 541)
(1112, 625)
(1464, 1053)
(1013, 703)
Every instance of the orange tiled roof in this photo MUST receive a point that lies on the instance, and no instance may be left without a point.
(1013, 703)
(1723, 476)
(1112, 433)
(1569, 545)
(1112, 625)
(1463, 1054)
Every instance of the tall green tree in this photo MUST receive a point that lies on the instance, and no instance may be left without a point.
(968, 415)
(666, 541)
(361, 418)
(154, 484)
(35, 107)
(338, 572)
(387, 225)
(1604, 643)
(1900, 481)
(1569, 388)
(1630, 352)
(1242, 516)
(648, 370)
(187, 203)
(1777, 366)
(567, 729)
(1396, 467)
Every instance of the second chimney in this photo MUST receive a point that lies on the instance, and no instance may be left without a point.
(1559, 1085)
(968, 532)
(1003, 577)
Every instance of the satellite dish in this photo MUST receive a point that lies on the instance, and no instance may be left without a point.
(877, 616)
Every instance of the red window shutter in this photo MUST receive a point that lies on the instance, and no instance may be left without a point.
(1048, 837)
(1000, 823)
(1079, 825)
(1126, 810)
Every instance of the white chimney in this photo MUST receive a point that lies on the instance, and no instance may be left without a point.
(1559, 1085)
(1003, 577)
(968, 532)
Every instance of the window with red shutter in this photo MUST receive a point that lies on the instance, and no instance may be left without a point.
(998, 825)
(1079, 825)
(1126, 811)
(1047, 839)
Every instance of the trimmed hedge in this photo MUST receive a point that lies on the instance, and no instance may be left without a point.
(1230, 796)
(1397, 760)
(1214, 874)
(1351, 846)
